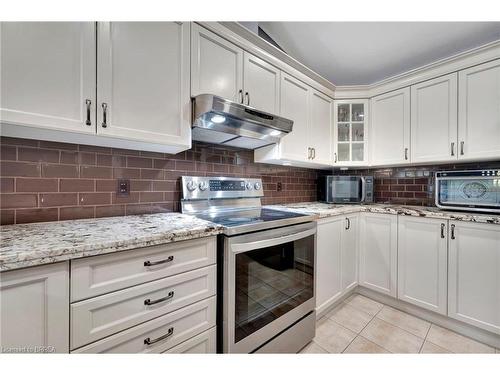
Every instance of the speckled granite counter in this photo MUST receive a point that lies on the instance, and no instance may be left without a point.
(25, 245)
(324, 210)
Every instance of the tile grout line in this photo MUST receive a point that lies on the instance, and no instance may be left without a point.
(425, 339)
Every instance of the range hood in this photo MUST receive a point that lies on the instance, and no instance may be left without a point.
(217, 120)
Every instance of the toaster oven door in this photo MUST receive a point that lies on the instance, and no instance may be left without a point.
(471, 194)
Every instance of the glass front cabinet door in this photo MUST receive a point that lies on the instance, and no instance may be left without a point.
(350, 132)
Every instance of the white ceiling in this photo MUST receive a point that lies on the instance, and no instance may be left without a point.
(352, 53)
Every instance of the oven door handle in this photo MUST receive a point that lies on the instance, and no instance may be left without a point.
(247, 246)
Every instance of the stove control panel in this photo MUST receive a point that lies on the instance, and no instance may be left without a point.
(220, 187)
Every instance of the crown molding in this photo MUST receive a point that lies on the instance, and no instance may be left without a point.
(463, 60)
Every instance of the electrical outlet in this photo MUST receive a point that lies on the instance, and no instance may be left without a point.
(123, 188)
(279, 186)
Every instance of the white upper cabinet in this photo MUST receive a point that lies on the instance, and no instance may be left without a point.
(295, 98)
(350, 132)
(34, 308)
(378, 252)
(390, 128)
(320, 127)
(143, 82)
(479, 112)
(309, 143)
(434, 120)
(261, 82)
(422, 262)
(48, 75)
(474, 274)
(216, 66)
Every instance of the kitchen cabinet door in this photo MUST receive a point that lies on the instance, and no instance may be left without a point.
(350, 132)
(143, 83)
(479, 112)
(474, 274)
(48, 75)
(320, 128)
(349, 253)
(295, 101)
(261, 81)
(35, 309)
(422, 262)
(378, 252)
(216, 66)
(434, 120)
(390, 128)
(328, 261)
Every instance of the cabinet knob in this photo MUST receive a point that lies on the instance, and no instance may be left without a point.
(442, 230)
(452, 231)
(247, 95)
(462, 147)
(406, 153)
(240, 96)
(452, 148)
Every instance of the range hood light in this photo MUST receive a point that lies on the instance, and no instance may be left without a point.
(218, 119)
(275, 133)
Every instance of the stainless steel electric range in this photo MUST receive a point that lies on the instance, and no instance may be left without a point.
(266, 266)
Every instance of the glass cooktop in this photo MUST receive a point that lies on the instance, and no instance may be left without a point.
(232, 218)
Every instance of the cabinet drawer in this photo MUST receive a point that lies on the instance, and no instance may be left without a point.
(163, 333)
(101, 274)
(201, 344)
(102, 316)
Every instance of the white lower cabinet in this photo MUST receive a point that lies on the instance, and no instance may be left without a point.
(102, 316)
(160, 334)
(474, 274)
(337, 259)
(34, 309)
(422, 262)
(378, 252)
(204, 343)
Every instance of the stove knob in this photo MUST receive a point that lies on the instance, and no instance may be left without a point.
(191, 185)
(203, 186)
(257, 186)
(249, 186)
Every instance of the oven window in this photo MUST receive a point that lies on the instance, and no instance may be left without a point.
(270, 282)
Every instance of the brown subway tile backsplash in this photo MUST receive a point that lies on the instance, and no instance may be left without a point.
(46, 181)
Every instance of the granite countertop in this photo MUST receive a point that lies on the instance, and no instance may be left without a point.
(324, 210)
(25, 245)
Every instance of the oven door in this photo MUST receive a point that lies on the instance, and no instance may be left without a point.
(347, 189)
(268, 284)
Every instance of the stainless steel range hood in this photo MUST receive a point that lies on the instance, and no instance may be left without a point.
(217, 120)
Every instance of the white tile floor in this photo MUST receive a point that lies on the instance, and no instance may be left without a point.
(362, 325)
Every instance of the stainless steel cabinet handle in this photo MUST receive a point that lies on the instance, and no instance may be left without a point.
(309, 152)
(452, 231)
(170, 295)
(442, 230)
(462, 147)
(170, 332)
(88, 104)
(452, 148)
(149, 263)
(348, 223)
(314, 153)
(104, 115)
(406, 153)
(247, 95)
(335, 157)
(240, 96)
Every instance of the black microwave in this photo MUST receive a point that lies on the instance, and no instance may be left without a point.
(345, 189)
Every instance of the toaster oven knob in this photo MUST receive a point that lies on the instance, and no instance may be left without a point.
(249, 186)
(203, 186)
(191, 185)
(257, 186)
